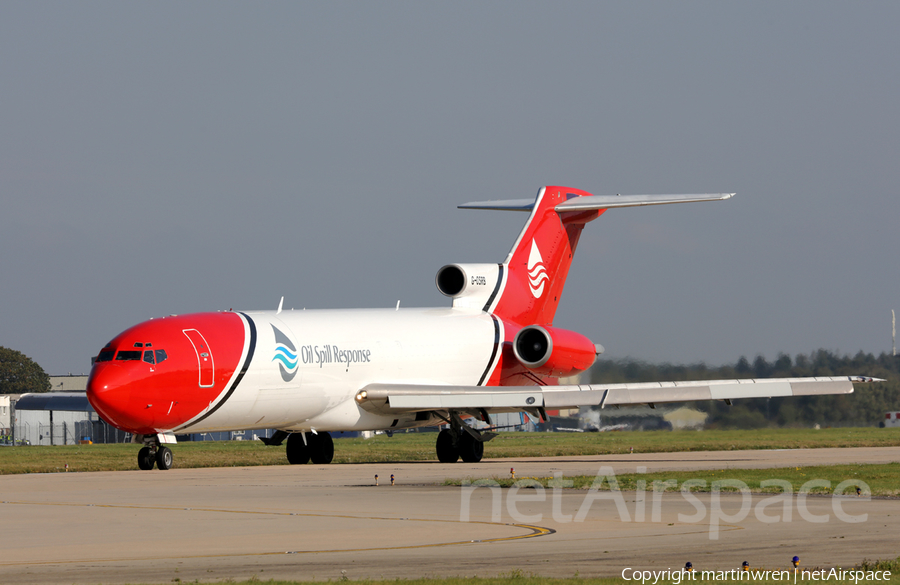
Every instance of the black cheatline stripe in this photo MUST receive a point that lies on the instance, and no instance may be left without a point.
(487, 306)
(494, 351)
(237, 380)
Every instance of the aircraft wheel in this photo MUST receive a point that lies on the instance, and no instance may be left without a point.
(321, 448)
(164, 458)
(145, 459)
(297, 451)
(470, 449)
(447, 452)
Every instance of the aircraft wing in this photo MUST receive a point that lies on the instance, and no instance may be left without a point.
(400, 398)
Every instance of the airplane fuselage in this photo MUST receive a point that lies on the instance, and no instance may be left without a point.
(291, 370)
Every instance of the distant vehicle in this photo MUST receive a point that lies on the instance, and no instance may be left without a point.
(309, 373)
(891, 419)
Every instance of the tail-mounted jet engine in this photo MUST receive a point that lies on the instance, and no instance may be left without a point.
(554, 352)
(469, 285)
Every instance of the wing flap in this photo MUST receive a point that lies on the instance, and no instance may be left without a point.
(769, 390)
(463, 401)
(684, 393)
(397, 398)
(814, 387)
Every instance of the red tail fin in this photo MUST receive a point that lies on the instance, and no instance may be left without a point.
(534, 274)
(537, 266)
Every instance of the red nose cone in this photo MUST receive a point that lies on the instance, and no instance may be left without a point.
(109, 392)
(163, 373)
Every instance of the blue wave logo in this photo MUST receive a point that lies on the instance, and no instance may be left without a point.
(285, 355)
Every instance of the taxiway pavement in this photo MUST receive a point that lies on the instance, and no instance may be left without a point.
(326, 522)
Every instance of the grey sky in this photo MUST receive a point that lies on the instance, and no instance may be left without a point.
(161, 158)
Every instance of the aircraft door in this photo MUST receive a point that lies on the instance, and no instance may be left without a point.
(204, 358)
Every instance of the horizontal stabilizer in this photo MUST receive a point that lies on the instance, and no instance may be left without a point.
(596, 202)
(593, 202)
(504, 205)
(398, 398)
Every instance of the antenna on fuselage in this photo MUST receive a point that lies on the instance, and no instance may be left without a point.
(280, 304)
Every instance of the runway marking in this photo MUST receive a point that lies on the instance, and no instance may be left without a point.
(535, 531)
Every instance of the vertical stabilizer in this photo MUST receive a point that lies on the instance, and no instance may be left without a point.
(538, 264)
(534, 273)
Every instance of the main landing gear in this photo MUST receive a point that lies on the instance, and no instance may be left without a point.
(305, 447)
(152, 453)
(461, 441)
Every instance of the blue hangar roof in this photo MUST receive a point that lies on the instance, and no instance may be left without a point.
(69, 401)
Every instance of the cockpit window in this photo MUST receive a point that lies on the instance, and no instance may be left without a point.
(133, 355)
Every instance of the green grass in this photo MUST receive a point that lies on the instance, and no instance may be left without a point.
(123, 457)
(882, 479)
(420, 447)
(562, 444)
(518, 577)
(533, 580)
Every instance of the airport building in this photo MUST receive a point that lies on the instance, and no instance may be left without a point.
(62, 416)
(5, 412)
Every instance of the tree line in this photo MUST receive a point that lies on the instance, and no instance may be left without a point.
(865, 407)
(20, 374)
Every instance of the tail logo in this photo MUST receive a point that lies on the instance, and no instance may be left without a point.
(285, 355)
(537, 274)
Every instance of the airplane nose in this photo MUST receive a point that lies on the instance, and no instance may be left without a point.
(109, 392)
(160, 374)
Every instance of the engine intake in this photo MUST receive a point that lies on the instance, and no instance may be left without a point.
(451, 280)
(554, 352)
(469, 285)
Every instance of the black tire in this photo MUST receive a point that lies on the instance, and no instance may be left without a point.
(164, 458)
(447, 452)
(145, 459)
(321, 448)
(470, 449)
(297, 451)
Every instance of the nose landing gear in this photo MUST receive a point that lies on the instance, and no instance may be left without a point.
(164, 458)
(152, 453)
(146, 458)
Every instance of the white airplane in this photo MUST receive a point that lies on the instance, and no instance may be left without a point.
(308, 373)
